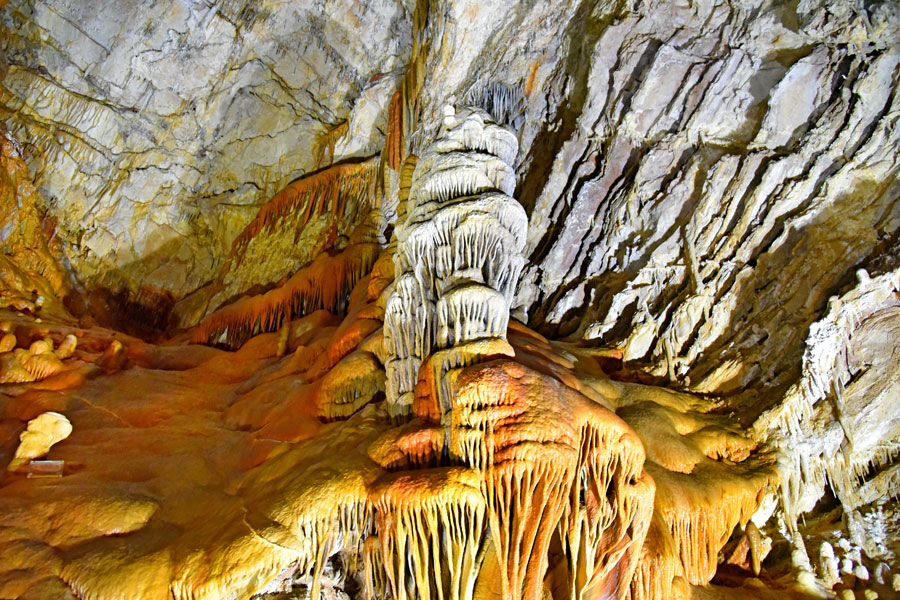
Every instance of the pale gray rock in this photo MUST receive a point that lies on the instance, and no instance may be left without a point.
(705, 172)
(155, 131)
(458, 251)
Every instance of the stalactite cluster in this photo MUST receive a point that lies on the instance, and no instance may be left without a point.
(323, 284)
(340, 193)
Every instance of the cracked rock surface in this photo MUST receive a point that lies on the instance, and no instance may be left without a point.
(156, 131)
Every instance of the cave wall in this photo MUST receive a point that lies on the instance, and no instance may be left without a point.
(154, 132)
(700, 177)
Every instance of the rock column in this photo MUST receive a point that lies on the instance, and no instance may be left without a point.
(459, 254)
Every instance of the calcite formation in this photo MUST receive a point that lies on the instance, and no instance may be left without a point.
(837, 425)
(441, 300)
(458, 252)
(39, 436)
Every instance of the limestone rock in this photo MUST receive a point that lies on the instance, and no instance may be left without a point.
(31, 276)
(450, 331)
(743, 200)
(458, 252)
(155, 134)
(837, 424)
(40, 435)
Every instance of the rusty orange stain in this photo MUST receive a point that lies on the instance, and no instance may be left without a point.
(532, 73)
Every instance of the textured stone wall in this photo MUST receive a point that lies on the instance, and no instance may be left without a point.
(155, 131)
(711, 176)
(699, 177)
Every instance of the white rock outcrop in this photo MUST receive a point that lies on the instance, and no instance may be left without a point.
(39, 436)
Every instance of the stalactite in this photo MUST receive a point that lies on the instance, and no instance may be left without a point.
(375, 582)
(469, 313)
(457, 263)
(479, 133)
(267, 545)
(552, 461)
(327, 191)
(32, 277)
(431, 530)
(658, 564)
(326, 283)
(706, 485)
(701, 525)
(708, 477)
(609, 509)
(393, 143)
(458, 253)
(442, 176)
(509, 466)
(329, 140)
(406, 174)
(815, 442)
(345, 529)
(407, 338)
(506, 104)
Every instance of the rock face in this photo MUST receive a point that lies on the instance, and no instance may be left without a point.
(704, 187)
(157, 132)
(31, 276)
(560, 300)
(837, 424)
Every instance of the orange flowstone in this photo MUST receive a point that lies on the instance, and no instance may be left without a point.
(324, 284)
(208, 472)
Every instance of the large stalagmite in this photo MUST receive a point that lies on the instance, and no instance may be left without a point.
(458, 252)
(443, 300)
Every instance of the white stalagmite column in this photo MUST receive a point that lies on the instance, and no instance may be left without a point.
(459, 249)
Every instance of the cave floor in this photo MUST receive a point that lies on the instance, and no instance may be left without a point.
(155, 468)
(203, 473)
